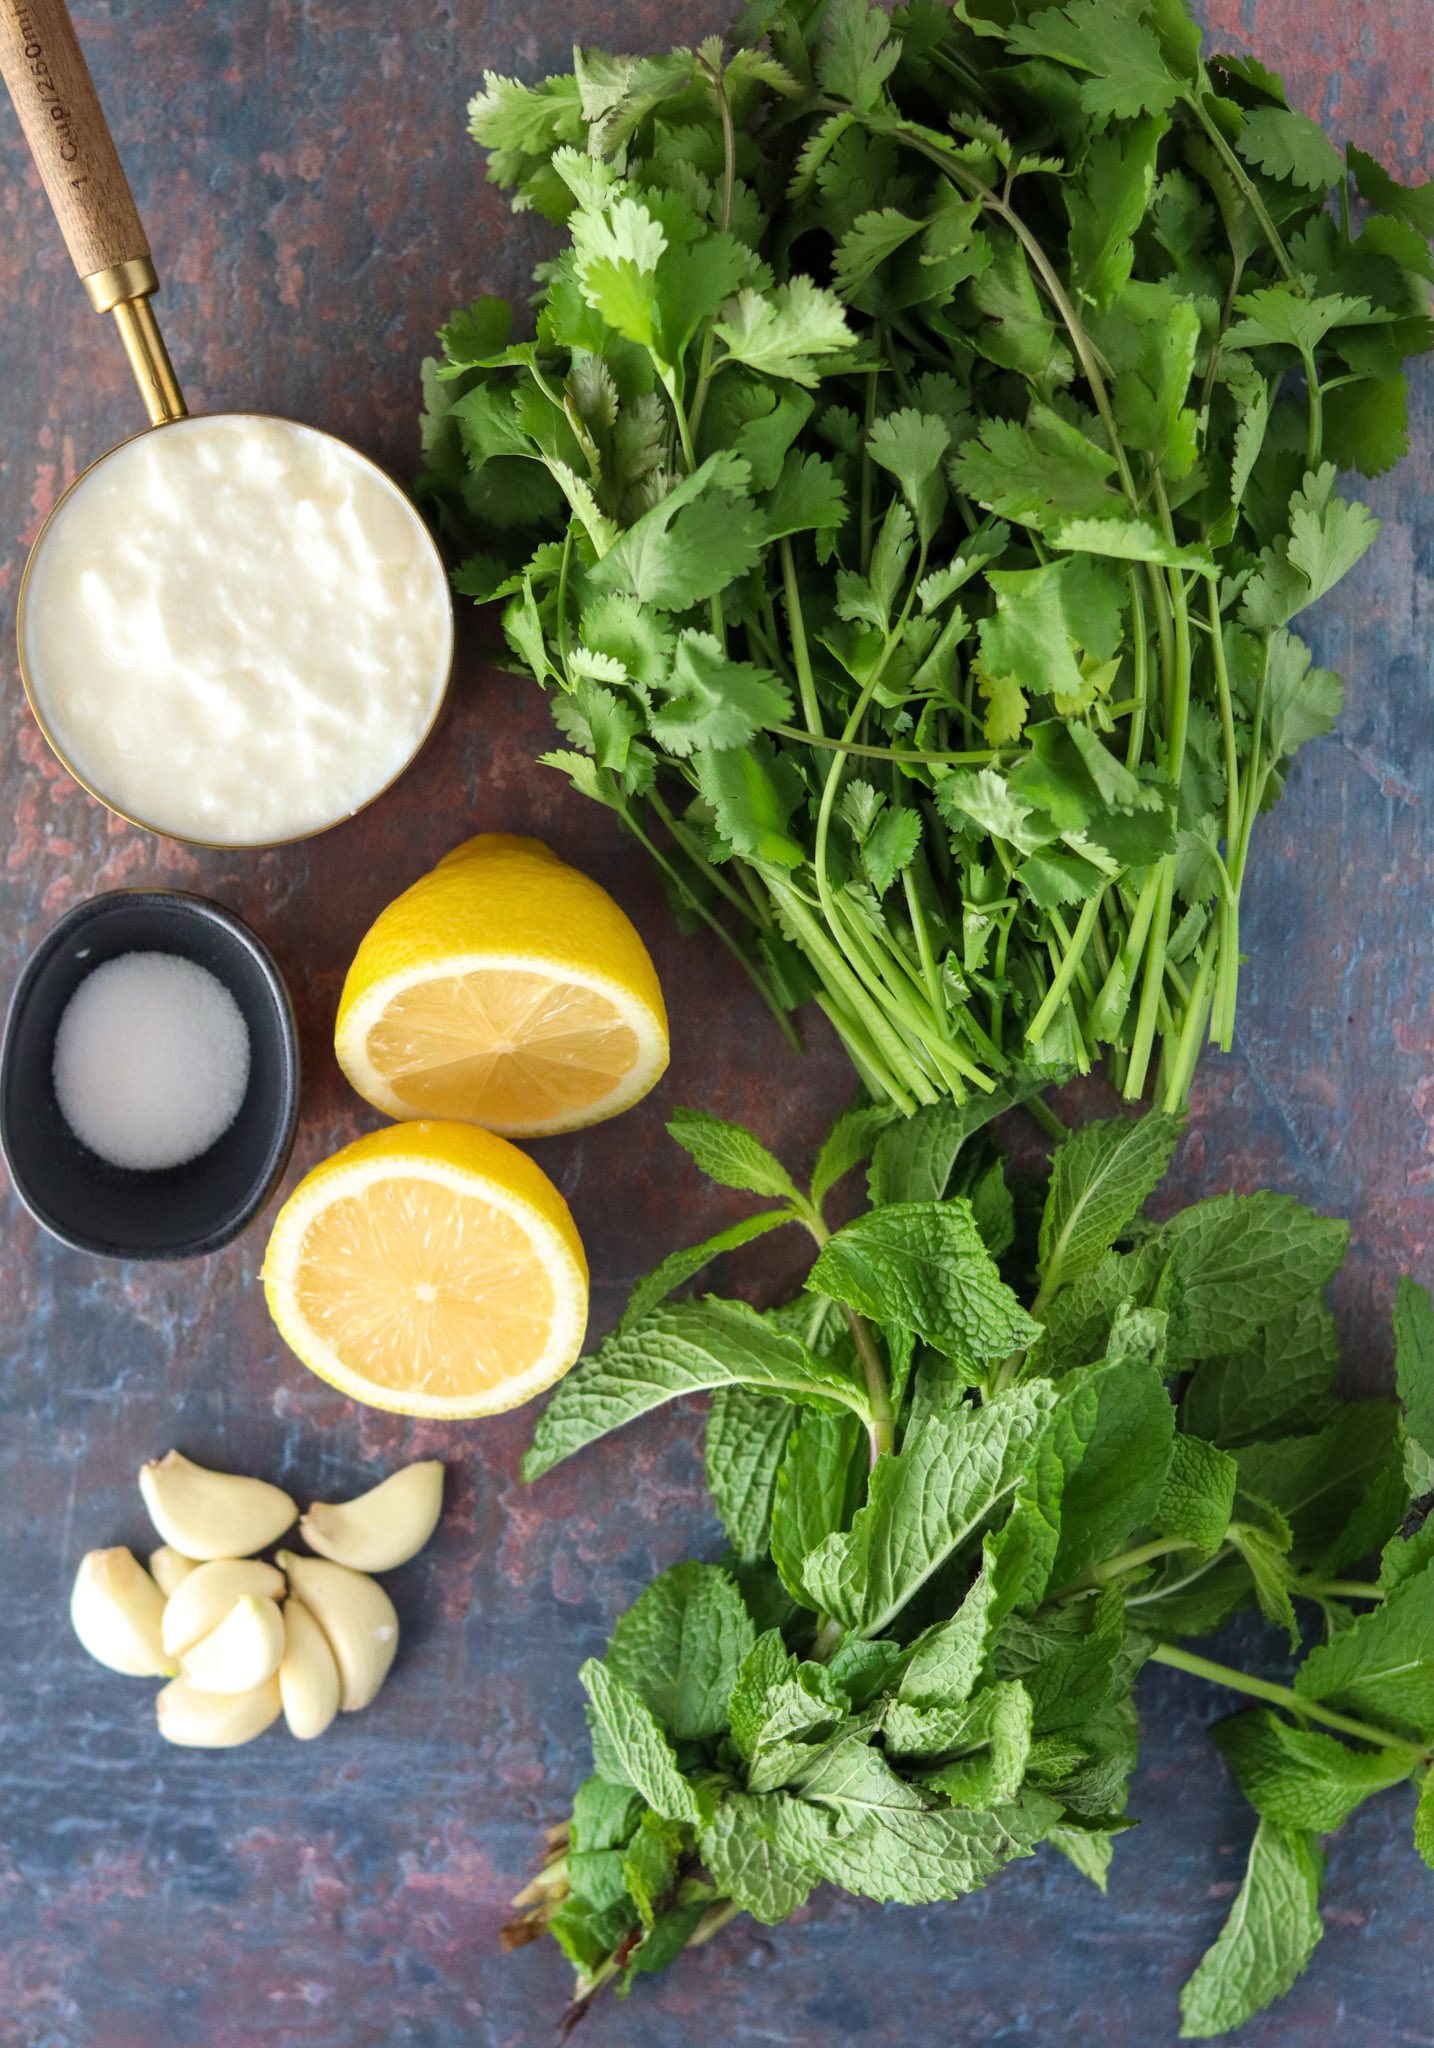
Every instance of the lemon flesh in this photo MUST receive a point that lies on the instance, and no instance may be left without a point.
(503, 989)
(432, 1269)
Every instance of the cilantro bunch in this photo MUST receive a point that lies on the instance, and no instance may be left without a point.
(930, 432)
(1000, 1454)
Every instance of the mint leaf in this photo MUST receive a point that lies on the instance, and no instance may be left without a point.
(1300, 1778)
(604, 1815)
(776, 1698)
(650, 1865)
(656, 1286)
(1424, 1819)
(924, 1266)
(915, 1857)
(811, 1496)
(729, 1154)
(1116, 1486)
(847, 1143)
(1089, 1852)
(1243, 1261)
(679, 1648)
(673, 1351)
(748, 1868)
(994, 1745)
(1414, 1369)
(746, 1441)
(1267, 1940)
(1100, 1180)
(947, 1659)
(855, 1782)
(1197, 1497)
(1066, 1659)
(636, 1744)
(1281, 1383)
(1319, 1482)
(922, 1505)
(1383, 1666)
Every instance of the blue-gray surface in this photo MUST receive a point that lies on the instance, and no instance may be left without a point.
(315, 209)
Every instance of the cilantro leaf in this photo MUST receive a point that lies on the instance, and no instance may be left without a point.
(1125, 69)
(786, 333)
(1286, 144)
(714, 702)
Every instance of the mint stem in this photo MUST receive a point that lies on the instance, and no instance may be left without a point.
(1283, 1696)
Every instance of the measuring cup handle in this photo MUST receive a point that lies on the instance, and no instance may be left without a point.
(49, 81)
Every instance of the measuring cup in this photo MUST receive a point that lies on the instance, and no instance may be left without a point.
(233, 629)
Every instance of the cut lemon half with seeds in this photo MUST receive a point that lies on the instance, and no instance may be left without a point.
(431, 1268)
(503, 989)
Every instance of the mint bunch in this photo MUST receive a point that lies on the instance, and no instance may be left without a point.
(929, 434)
(998, 1455)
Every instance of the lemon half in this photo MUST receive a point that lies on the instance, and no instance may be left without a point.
(431, 1268)
(504, 989)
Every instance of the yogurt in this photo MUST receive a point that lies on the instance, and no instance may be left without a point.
(235, 629)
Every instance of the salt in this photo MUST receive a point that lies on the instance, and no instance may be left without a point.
(151, 1060)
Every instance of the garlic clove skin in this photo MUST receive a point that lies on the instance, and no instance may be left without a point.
(169, 1570)
(215, 1720)
(384, 1527)
(356, 1616)
(308, 1676)
(241, 1653)
(204, 1598)
(206, 1515)
(117, 1611)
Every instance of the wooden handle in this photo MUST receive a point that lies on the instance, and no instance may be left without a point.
(49, 81)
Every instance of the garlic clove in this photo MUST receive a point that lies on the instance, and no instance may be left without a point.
(308, 1675)
(356, 1616)
(116, 1610)
(205, 1514)
(241, 1652)
(215, 1720)
(384, 1527)
(207, 1594)
(169, 1569)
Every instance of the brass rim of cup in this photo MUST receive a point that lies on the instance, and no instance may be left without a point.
(162, 831)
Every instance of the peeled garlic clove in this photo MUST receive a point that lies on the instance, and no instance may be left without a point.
(206, 1514)
(168, 1569)
(241, 1653)
(356, 1616)
(308, 1676)
(216, 1720)
(206, 1596)
(117, 1611)
(384, 1527)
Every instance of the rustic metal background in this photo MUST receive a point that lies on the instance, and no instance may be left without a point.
(315, 209)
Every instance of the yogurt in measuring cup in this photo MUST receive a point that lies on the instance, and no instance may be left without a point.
(236, 629)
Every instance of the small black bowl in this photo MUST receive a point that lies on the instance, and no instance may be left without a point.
(181, 1212)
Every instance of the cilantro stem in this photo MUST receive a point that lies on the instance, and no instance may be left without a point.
(1248, 191)
(979, 757)
(1065, 973)
(1154, 975)
(689, 896)
(1314, 443)
(796, 627)
(1135, 743)
(1182, 1071)
(923, 943)
(1283, 1696)
(699, 860)
(904, 1080)
(1045, 1118)
(1222, 1017)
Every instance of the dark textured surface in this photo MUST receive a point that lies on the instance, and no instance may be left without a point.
(315, 209)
